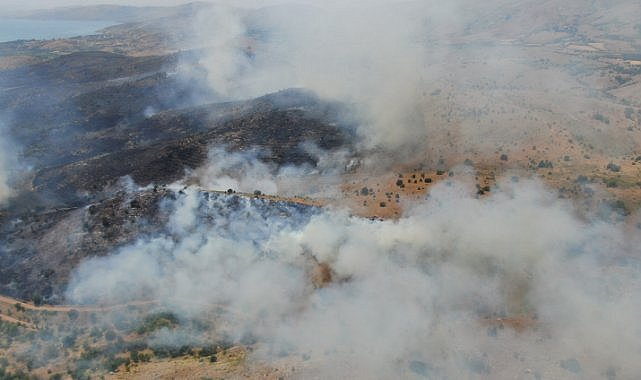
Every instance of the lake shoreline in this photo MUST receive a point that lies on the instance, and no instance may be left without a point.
(16, 29)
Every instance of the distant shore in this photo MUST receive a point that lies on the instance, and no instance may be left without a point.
(27, 29)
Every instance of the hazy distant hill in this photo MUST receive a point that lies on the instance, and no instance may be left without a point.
(112, 12)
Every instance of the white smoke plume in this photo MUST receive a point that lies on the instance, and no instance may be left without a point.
(371, 57)
(246, 172)
(5, 190)
(416, 297)
(387, 58)
(238, 171)
(7, 162)
(515, 285)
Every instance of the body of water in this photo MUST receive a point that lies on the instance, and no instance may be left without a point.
(24, 29)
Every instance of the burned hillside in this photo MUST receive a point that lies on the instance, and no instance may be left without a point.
(36, 262)
(87, 119)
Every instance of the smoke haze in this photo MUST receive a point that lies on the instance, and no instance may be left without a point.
(427, 288)
(5, 190)
(7, 162)
(517, 284)
(373, 58)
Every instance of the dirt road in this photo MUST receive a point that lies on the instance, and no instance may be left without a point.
(67, 308)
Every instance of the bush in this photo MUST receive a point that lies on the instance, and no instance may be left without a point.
(73, 314)
(157, 321)
(619, 207)
(69, 341)
(90, 354)
(613, 167)
(37, 299)
(602, 118)
(582, 179)
(207, 351)
(113, 363)
(545, 164)
(110, 335)
(172, 351)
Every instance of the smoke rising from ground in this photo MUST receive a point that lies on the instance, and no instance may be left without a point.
(247, 172)
(7, 162)
(371, 57)
(387, 59)
(5, 190)
(415, 297)
(242, 172)
(408, 297)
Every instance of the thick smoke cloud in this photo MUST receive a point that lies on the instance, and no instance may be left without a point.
(387, 58)
(514, 285)
(248, 172)
(7, 163)
(371, 57)
(5, 190)
(243, 172)
(412, 296)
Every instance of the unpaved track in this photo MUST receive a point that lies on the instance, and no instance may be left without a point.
(101, 308)
(67, 308)
(27, 325)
